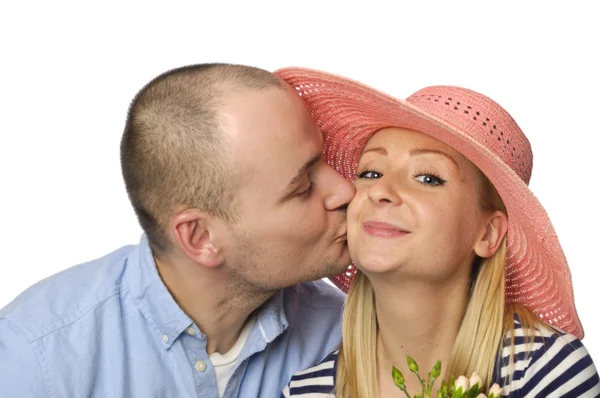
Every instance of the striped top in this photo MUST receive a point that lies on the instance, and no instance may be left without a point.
(558, 365)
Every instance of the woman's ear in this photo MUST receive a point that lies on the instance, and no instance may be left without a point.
(193, 233)
(492, 236)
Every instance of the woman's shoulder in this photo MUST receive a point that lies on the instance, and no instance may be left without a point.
(315, 382)
(547, 362)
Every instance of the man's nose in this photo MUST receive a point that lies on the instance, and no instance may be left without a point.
(339, 190)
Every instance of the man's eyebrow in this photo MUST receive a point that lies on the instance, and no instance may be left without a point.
(304, 169)
(422, 151)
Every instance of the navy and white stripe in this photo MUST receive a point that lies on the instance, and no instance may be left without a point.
(558, 365)
(315, 382)
(555, 365)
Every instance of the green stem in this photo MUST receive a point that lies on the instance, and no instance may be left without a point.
(406, 392)
(429, 385)
(422, 385)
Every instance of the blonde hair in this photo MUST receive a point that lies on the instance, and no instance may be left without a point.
(487, 320)
(358, 356)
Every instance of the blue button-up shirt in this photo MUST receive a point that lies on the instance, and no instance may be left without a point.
(110, 328)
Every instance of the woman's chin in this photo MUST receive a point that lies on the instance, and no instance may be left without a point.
(376, 264)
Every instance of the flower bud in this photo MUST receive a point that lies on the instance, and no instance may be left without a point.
(398, 378)
(475, 379)
(495, 391)
(412, 365)
(437, 369)
(445, 388)
(461, 383)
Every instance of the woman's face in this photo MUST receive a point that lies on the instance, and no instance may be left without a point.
(417, 208)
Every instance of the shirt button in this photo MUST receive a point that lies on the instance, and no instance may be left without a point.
(165, 338)
(191, 331)
(200, 366)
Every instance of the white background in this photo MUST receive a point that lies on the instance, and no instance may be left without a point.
(69, 71)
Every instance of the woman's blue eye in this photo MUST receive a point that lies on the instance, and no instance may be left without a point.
(430, 179)
(370, 174)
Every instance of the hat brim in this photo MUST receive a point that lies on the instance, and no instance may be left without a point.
(349, 113)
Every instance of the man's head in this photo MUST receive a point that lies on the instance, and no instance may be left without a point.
(217, 160)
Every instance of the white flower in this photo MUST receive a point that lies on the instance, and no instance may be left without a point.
(495, 390)
(461, 382)
(481, 396)
(475, 379)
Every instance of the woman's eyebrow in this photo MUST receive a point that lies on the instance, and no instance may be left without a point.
(422, 151)
(379, 150)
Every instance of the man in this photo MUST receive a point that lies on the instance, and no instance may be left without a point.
(223, 166)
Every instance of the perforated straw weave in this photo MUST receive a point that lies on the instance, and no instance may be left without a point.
(348, 112)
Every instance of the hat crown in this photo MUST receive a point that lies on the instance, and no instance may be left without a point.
(483, 120)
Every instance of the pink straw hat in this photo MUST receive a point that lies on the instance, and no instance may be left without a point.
(349, 113)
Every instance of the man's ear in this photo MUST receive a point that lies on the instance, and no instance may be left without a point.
(196, 238)
(491, 238)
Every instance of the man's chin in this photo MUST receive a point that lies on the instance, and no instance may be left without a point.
(325, 271)
(335, 268)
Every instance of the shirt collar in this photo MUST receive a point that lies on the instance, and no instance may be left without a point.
(271, 321)
(166, 319)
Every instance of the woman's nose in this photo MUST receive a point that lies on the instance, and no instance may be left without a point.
(382, 193)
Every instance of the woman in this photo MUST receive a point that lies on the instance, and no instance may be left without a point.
(457, 259)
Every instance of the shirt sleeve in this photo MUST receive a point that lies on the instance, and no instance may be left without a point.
(20, 369)
(562, 367)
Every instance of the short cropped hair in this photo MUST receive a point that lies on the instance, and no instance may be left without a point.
(173, 152)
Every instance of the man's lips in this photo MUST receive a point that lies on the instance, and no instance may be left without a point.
(342, 238)
(383, 229)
